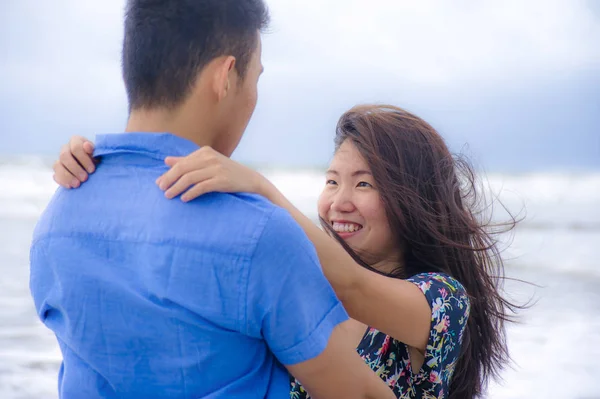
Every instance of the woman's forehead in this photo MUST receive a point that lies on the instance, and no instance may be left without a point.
(347, 158)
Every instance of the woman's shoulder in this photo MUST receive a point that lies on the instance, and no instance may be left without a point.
(450, 308)
(433, 281)
(446, 296)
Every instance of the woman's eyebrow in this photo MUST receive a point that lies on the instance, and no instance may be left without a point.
(356, 173)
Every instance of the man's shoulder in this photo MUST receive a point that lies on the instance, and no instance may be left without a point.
(234, 210)
(254, 220)
(250, 215)
(218, 222)
(283, 234)
(247, 202)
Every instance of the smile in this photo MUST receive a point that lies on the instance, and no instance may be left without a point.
(346, 227)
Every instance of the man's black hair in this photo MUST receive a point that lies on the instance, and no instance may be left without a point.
(168, 42)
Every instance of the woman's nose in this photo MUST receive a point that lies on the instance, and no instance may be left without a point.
(342, 202)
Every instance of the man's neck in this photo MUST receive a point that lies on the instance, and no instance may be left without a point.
(179, 123)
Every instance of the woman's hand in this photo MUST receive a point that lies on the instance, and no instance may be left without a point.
(205, 171)
(75, 162)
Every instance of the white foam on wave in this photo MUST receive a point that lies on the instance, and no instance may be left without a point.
(562, 212)
(546, 243)
(560, 231)
(548, 200)
(25, 190)
(551, 200)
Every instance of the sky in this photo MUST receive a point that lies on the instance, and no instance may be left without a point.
(514, 84)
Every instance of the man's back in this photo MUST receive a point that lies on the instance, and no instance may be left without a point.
(157, 298)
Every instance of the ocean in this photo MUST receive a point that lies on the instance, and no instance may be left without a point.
(555, 346)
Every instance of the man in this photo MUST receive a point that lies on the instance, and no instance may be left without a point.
(151, 298)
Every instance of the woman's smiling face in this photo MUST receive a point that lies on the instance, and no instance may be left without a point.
(351, 204)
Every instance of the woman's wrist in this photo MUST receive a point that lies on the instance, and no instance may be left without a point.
(265, 188)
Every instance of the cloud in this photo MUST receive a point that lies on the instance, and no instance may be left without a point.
(426, 43)
(61, 68)
(435, 43)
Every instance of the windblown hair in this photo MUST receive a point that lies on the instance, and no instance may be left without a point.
(434, 209)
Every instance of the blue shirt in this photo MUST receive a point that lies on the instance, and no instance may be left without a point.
(155, 298)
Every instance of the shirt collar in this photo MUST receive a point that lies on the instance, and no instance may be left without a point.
(155, 145)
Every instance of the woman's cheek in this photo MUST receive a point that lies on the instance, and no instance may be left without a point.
(323, 205)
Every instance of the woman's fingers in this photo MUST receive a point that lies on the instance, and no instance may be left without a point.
(81, 149)
(170, 176)
(88, 146)
(207, 186)
(172, 161)
(69, 162)
(63, 177)
(186, 181)
(180, 167)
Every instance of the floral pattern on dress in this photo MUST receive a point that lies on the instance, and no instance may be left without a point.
(390, 359)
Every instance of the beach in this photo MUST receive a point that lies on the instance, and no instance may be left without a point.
(555, 345)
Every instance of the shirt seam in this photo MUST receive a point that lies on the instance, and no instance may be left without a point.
(245, 276)
(175, 243)
(106, 151)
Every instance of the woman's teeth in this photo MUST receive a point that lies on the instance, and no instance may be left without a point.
(346, 227)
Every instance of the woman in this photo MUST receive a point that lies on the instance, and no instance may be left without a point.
(397, 202)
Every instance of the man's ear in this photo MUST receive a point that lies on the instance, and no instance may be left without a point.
(225, 72)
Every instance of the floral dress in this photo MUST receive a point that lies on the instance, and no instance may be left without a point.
(390, 359)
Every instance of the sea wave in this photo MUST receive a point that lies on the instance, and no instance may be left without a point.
(545, 201)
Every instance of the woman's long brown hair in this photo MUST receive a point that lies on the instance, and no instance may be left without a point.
(434, 208)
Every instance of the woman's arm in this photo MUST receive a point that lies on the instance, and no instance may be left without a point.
(393, 306)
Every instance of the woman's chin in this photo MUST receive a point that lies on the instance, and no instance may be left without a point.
(346, 236)
(354, 240)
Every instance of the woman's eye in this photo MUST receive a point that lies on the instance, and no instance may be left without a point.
(331, 182)
(364, 184)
